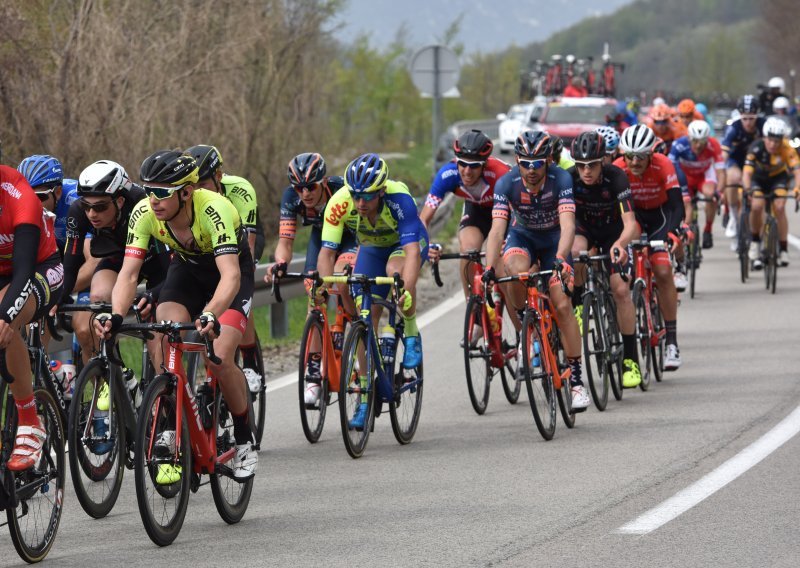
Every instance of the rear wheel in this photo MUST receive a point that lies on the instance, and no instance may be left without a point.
(659, 339)
(259, 398)
(405, 409)
(477, 357)
(357, 391)
(771, 261)
(594, 350)
(230, 496)
(694, 259)
(614, 343)
(512, 380)
(565, 392)
(312, 417)
(642, 333)
(538, 377)
(743, 241)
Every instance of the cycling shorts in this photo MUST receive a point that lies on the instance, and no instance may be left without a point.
(763, 185)
(348, 246)
(372, 261)
(734, 163)
(541, 247)
(657, 224)
(695, 183)
(602, 239)
(46, 285)
(192, 286)
(473, 215)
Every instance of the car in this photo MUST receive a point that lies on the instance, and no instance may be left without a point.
(510, 124)
(569, 116)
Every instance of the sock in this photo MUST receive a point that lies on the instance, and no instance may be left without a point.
(26, 410)
(672, 332)
(756, 238)
(249, 356)
(783, 245)
(575, 367)
(411, 329)
(241, 429)
(629, 348)
(707, 228)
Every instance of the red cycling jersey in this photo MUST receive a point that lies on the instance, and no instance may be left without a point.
(650, 190)
(20, 206)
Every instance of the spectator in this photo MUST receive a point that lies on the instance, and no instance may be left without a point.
(576, 88)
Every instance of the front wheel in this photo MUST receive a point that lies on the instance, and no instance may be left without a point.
(743, 240)
(405, 409)
(357, 390)
(477, 357)
(615, 346)
(258, 398)
(595, 350)
(312, 416)
(659, 339)
(230, 496)
(565, 392)
(538, 376)
(771, 261)
(642, 335)
(510, 375)
(694, 259)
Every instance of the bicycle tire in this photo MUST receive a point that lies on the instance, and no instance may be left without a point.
(771, 264)
(509, 375)
(160, 404)
(538, 377)
(694, 260)
(477, 358)
(223, 486)
(405, 409)
(614, 342)
(659, 346)
(564, 394)
(351, 390)
(743, 240)
(642, 332)
(258, 399)
(312, 418)
(594, 350)
(40, 490)
(96, 477)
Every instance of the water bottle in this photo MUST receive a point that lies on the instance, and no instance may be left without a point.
(68, 374)
(492, 319)
(387, 344)
(337, 333)
(536, 350)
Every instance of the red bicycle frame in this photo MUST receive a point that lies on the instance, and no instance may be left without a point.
(643, 272)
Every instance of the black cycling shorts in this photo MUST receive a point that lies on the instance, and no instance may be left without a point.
(473, 215)
(765, 185)
(46, 285)
(602, 238)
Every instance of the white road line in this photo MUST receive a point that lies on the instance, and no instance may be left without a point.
(422, 321)
(794, 241)
(717, 479)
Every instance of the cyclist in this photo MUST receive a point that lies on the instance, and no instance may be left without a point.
(559, 158)
(663, 125)
(703, 109)
(687, 112)
(604, 219)
(472, 176)
(611, 137)
(106, 201)
(309, 191)
(391, 237)
(536, 196)
(766, 171)
(210, 276)
(741, 133)
(241, 193)
(658, 204)
(31, 278)
(699, 156)
(775, 88)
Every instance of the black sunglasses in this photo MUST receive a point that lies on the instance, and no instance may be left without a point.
(99, 207)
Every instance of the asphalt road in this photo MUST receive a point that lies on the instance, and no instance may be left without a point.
(489, 491)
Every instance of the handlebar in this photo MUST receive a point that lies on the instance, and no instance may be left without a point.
(471, 255)
(172, 330)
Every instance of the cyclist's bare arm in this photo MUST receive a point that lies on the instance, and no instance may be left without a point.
(426, 215)
(228, 286)
(566, 219)
(494, 242)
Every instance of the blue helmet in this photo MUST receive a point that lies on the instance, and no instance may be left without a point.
(367, 174)
(41, 170)
(611, 137)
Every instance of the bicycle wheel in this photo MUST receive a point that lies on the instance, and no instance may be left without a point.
(230, 496)
(95, 463)
(406, 407)
(614, 344)
(40, 490)
(356, 387)
(162, 506)
(538, 377)
(259, 399)
(771, 264)
(312, 418)
(477, 358)
(594, 350)
(642, 332)
(743, 244)
(694, 260)
(512, 380)
(659, 345)
(565, 392)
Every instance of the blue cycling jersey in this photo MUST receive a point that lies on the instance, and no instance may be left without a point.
(534, 212)
(69, 193)
(737, 140)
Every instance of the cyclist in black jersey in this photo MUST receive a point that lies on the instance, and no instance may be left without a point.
(604, 219)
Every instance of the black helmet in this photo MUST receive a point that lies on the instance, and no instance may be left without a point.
(588, 146)
(169, 167)
(306, 169)
(208, 159)
(473, 145)
(558, 146)
(533, 144)
(748, 104)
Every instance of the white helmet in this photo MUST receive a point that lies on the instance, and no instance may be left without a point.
(781, 103)
(638, 139)
(774, 127)
(659, 101)
(103, 178)
(776, 83)
(699, 130)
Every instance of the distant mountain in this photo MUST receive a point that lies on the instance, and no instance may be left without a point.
(485, 26)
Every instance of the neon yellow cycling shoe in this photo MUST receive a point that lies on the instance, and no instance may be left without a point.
(631, 376)
(104, 398)
(579, 317)
(168, 474)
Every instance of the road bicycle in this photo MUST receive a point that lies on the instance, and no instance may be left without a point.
(691, 239)
(368, 368)
(602, 339)
(545, 368)
(769, 241)
(32, 499)
(744, 236)
(180, 437)
(489, 339)
(650, 329)
(329, 339)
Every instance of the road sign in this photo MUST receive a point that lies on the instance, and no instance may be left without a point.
(434, 70)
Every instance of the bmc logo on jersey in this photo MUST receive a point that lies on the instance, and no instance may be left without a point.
(11, 190)
(338, 210)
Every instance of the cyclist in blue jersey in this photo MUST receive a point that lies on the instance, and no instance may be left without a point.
(536, 198)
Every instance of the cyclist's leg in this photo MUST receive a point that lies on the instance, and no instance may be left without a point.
(709, 189)
(100, 291)
(657, 226)
(412, 356)
(472, 231)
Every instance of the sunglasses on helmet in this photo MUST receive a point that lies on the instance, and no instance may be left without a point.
(99, 207)
(161, 192)
(470, 165)
(532, 164)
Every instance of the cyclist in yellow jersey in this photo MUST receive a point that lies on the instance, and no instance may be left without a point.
(383, 215)
(241, 193)
(210, 278)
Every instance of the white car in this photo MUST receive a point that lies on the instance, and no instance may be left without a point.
(511, 125)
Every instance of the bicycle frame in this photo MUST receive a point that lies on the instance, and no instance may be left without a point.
(643, 272)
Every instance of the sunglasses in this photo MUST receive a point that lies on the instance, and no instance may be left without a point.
(99, 207)
(637, 156)
(161, 193)
(470, 165)
(44, 195)
(305, 188)
(587, 165)
(747, 118)
(356, 195)
(687, 116)
(532, 164)
(660, 122)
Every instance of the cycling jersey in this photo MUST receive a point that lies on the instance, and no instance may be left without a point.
(69, 193)
(601, 205)
(693, 165)
(650, 190)
(241, 193)
(20, 206)
(764, 165)
(529, 211)
(448, 180)
(397, 221)
(669, 132)
(736, 141)
(292, 207)
(216, 230)
(564, 162)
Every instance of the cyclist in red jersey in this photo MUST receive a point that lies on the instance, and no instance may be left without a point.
(30, 284)
(659, 209)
